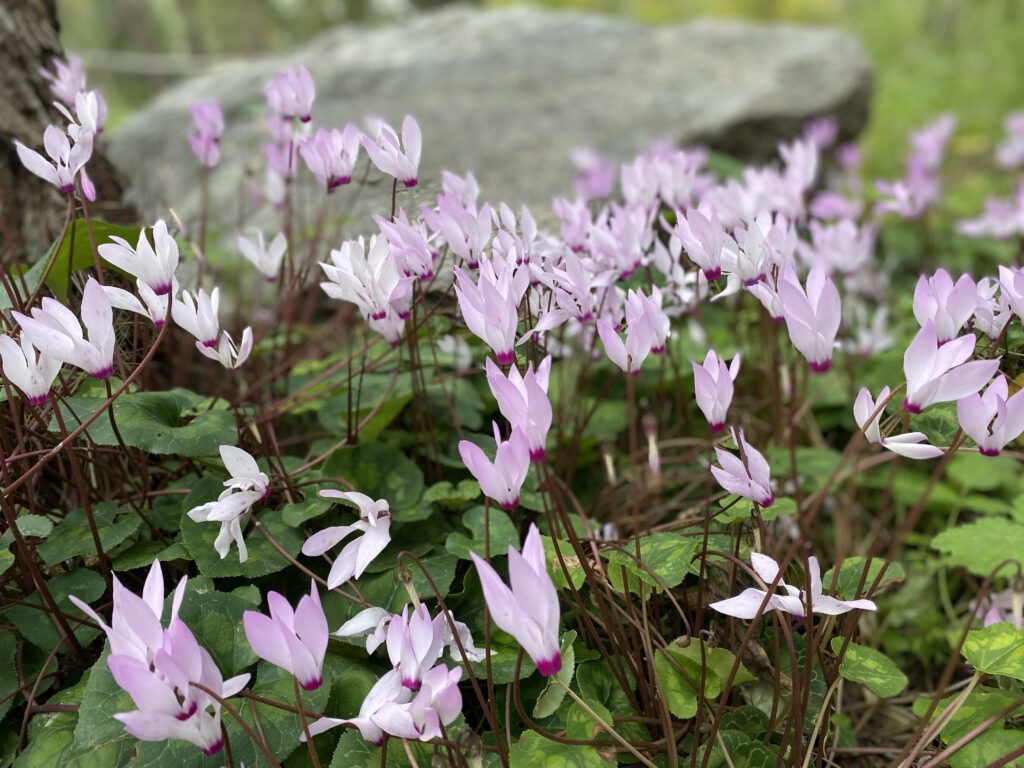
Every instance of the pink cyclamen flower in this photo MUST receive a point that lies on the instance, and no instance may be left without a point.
(1010, 152)
(246, 486)
(54, 330)
(199, 316)
(368, 278)
(147, 303)
(812, 316)
(640, 337)
(373, 623)
(911, 445)
(399, 159)
(414, 643)
(529, 609)
(153, 265)
(704, 239)
(331, 155)
(746, 475)
(291, 93)
(170, 705)
(992, 419)
(948, 305)
(374, 523)
(490, 306)
(66, 161)
(713, 387)
(208, 120)
(67, 79)
(295, 640)
(941, 373)
(30, 371)
(265, 257)
(409, 245)
(135, 627)
(1007, 606)
(523, 401)
(391, 709)
(501, 480)
(786, 598)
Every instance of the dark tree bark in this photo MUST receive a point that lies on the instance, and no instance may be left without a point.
(32, 211)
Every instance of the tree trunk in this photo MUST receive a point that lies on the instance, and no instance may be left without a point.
(31, 210)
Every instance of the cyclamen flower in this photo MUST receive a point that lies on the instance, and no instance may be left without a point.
(291, 93)
(331, 155)
(747, 475)
(1007, 606)
(501, 480)
(490, 306)
(208, 120)
(135, 627)
(398, 159)
(595, 175)
(373, 623)
(375, 525)
(466, 229)
(67, 79)
(640, 337)
(154, 266)
(158, 667)
(370, 280)
(812, 316)
(147, 303)
(786, 598)
(54, 330)
(523, 401)
(907, 445)
(66, 161)
(941, 373)
(226, 353)
(704, 239)
(30, 371)
(391, 708)
(409, 245)
(1010, 152)
(414, 644)
(949, 306)
(529, 609)
(246, 486)
(198, 316)
(266, 258)
(295, 640)
(713, 387)
(992, 419)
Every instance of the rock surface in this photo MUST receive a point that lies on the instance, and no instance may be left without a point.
(507, 94)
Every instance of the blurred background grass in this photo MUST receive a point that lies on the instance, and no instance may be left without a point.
(931, 56)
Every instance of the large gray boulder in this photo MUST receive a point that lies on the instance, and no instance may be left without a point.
(507, 94)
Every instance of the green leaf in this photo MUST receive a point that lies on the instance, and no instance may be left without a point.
(172, 422)
(453, 496)
(8, 676)
(385, 590)
(381, 472)
(37, 627)
(580, 724)
(741, 509)
(997, 649)
(678, 669)
(871, 668)
(666, 558)
(73, 537)
(378, 395)
(980, 705)
(76, 252)
(32, 525)
(533, 750)
(988, 748)
(353, 751)
(852, 569)
(980, 545)
(572, 563)
(974, 472)
(503, 534)
(50, 734)
(297, 513)
(553, 694)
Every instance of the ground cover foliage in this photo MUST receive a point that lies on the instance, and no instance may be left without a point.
(755, 495)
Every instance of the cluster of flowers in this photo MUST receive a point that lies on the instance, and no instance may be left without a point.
(766, 234)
